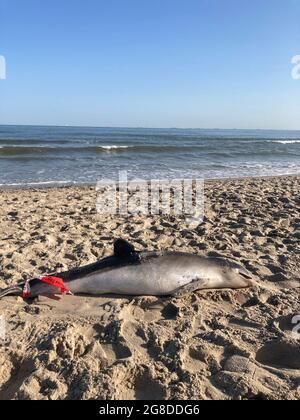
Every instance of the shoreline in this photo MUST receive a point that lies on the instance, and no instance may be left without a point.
(67, 185)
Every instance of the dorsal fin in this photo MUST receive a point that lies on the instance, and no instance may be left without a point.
(123, 249)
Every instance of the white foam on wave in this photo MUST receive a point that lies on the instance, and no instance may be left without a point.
(114, 147)
(285, 141)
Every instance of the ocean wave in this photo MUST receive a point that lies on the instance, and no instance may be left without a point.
(284, 141)
(21, 150)
(15, 150)
(114, 147)
(37, 183)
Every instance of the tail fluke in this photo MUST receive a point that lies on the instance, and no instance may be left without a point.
(16, 290)
(49, 285)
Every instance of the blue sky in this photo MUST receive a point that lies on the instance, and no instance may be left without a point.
(158, 63)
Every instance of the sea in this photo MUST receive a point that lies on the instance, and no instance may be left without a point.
(45, 156)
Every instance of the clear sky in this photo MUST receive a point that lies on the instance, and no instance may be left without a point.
(150, 63)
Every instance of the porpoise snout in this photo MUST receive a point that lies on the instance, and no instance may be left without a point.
(246, 276)
(236, 274)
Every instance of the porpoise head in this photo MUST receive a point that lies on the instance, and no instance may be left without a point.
(234, 274)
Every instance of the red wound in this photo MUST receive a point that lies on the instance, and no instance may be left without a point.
(56, 282)
(26, 290)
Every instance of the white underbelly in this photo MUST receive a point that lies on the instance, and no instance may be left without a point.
(144, 279)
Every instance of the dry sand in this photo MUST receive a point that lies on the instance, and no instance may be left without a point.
(207, 345)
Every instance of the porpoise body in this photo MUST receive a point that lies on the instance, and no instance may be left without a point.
(129, 272)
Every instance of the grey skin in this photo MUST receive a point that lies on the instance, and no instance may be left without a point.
(129, 272)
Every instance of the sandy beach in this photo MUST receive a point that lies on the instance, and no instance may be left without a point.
(228, 344)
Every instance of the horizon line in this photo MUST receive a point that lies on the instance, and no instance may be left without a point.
(146, 128)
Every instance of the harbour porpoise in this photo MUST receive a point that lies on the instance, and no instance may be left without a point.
(129, 272)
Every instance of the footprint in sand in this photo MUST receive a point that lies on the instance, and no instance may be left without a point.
(200, 358)
(281, 354)
(138, 385)
(286, 324)
(42, 385)
(147, 388)
(193, 360)
(13, 372)
(133, 334)
(115, 351)
(111, 345)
